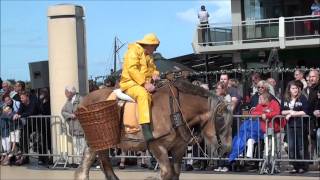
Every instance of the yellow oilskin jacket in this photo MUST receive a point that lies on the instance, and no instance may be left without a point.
(137, 68)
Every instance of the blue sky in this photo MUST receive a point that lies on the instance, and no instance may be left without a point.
(24, 30)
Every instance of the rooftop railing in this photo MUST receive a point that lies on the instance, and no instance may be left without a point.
(255, 31)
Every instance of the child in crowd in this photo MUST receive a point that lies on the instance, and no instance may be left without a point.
(6, 124)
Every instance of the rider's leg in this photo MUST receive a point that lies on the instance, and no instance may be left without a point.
(143, 98)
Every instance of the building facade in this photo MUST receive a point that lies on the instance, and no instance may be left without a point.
(265, 33)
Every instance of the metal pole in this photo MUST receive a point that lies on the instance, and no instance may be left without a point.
(115, 55)
(206, 56)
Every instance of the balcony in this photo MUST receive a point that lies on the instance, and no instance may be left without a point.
(288, 32)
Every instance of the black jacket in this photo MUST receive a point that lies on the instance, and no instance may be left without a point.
(313, 98)
(28, 110)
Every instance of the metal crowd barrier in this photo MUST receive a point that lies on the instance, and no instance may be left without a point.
(32, 137)
(48, 136)
(285, 149)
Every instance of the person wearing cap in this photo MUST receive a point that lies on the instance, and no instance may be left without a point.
(138, 72)
(75, 129)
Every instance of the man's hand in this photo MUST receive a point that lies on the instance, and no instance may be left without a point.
(149, 87)
(155, 77)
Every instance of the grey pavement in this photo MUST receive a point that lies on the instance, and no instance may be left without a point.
(40, 173)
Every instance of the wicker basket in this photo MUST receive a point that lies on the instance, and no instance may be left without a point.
(101, 124)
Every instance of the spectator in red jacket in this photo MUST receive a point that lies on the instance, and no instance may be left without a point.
(252, 129)
(267, 109)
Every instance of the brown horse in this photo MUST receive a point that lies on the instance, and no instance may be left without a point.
(198, 107)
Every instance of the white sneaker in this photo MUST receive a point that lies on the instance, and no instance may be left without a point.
(224, 169)
(218, 169)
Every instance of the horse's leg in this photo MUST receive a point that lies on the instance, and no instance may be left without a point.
(143, 160)
(82, 172)
(106, 165)
(177, 155)
(161, 154)
(122, 160)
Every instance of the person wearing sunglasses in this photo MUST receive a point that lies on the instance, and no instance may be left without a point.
(263, 87)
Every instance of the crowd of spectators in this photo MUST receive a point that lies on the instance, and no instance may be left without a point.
(301, 97)
(17, 130)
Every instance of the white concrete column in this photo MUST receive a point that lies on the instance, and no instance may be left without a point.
(67, 58)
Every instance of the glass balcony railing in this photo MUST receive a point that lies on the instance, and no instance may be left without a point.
(253, 31)
(221, 35)
(301, 27)
(259, 31)
(214, 36)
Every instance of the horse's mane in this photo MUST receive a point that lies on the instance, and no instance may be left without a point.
(187, 87)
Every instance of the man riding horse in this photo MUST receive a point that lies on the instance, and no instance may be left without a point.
(138, 71)
(197, 106)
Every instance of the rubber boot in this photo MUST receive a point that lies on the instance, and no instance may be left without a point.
(147, 133)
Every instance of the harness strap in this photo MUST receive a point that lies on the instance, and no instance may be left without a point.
(190, 133)
(175, 115)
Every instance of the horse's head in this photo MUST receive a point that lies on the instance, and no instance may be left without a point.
(215, 121)
(217, 130)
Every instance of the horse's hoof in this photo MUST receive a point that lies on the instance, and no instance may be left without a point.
(122, 167)
(78, 175)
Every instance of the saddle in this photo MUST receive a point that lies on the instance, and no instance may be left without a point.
(129, 113)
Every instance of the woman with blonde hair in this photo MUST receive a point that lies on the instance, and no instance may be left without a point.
(263, 87)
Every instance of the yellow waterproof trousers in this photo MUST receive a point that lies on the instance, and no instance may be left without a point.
(143, 98)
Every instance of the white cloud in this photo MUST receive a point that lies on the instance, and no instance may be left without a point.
(220, 12)
(189, 15)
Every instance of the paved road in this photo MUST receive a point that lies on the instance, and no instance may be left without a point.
(34, 173)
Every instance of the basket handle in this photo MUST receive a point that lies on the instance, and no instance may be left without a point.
(83, 108)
